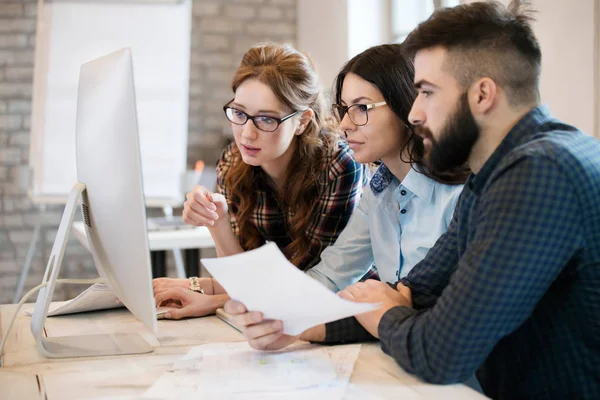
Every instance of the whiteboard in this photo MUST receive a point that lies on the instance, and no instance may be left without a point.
(71, 33)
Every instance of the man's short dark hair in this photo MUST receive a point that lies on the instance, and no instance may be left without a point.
(486, 39)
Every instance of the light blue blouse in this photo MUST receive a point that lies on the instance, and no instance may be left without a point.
(393, 227)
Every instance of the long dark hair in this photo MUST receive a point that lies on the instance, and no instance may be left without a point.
(388, 68)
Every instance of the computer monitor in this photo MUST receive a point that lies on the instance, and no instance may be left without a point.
(112, 202)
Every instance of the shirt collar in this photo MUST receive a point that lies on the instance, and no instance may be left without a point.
(419, 184)
(526, 126)
(381, 179)
(416, 182)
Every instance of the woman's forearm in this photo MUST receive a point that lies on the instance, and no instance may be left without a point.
(219, 300)
(211, 286)
(226, 242)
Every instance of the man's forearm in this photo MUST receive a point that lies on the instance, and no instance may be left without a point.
(421, 298)
(347, 330)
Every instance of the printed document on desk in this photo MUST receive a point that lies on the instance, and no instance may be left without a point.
(264, 280)
(236, 371)
(96, 297)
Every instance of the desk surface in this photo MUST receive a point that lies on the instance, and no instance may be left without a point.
(27, 375)
(196, 238)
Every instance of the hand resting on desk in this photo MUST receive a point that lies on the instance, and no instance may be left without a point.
(162, 284)
(175, 294)
(185, 303)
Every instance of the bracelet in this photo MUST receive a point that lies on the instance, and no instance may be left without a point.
(212, 284)
(195, 285)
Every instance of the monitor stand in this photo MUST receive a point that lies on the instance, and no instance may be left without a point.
(83, 345)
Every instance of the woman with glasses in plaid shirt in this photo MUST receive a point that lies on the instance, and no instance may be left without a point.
(286, 179)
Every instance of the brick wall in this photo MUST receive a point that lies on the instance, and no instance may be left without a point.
(221, 31)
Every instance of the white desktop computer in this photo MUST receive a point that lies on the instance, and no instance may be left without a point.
(112, 200)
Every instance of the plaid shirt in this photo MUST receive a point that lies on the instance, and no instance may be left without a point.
(513, 288)
(339, 195)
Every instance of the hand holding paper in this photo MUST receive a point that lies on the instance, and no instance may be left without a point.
(264, 280)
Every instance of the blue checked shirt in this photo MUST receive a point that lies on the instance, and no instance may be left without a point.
(512, 289)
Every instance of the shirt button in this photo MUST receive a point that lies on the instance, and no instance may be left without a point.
(403, 192)
(403, 211)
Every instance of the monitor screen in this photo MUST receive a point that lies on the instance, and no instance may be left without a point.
(108, 164)
(114, 212)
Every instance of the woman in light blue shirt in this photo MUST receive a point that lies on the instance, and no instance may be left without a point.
(406, 208)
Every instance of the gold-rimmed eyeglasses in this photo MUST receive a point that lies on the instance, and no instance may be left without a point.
(358, 113)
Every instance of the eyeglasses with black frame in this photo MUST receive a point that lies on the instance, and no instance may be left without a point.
(358, 113)
(262, 122)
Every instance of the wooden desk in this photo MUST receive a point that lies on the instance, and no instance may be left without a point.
(27, 375)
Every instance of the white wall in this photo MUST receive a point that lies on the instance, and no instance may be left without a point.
(566, 31)
(368, 24)
(322, 31)
(333, 31)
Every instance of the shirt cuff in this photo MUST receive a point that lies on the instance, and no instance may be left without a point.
(388, 326)
(346, 330)
(421, 299)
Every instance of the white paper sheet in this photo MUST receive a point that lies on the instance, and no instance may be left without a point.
(96, 297)
(264, 280)
(236, 371)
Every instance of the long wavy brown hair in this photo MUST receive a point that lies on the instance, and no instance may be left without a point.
(292, 77)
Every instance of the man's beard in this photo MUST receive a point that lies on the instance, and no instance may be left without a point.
(457, 138)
